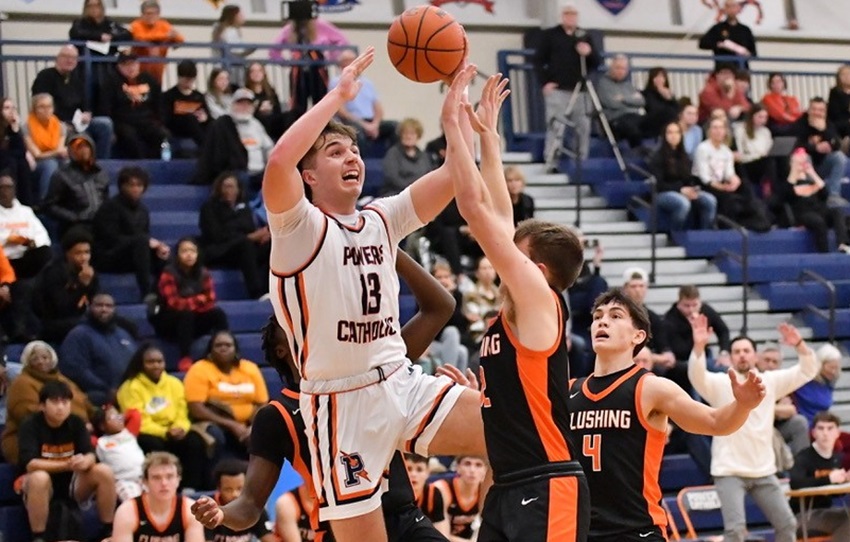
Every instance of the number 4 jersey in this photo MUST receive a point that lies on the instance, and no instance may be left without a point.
(619, 452)
(334, 286)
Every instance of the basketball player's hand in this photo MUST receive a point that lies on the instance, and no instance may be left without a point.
(485, 117)
(207, 512)
(348, 85)
(455, 97)
(701, 332)
(456, 375)
(748, 393)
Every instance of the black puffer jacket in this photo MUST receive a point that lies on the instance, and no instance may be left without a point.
(77, 192)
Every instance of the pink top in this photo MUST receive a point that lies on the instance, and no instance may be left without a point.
(326, 34)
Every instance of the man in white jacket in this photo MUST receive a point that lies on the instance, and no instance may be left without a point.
(743, 462)
(22, 235)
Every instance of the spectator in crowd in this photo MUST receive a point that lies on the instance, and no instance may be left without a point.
(580, 297)
(64, 289)
(44, 135)
(14, 158)
(636, 286)
(816, 395)
(661, 104)
(819, 465)
(78, 188)
(160, 513)
(714, 165)
(820, 138)
(23, 237)
(730, 37)
(184, 109)
(161, 400)
(753, 142)
(449, 237)
(743, 463)
(95, 26)
(483, 301)
(405, 161)
(56, 455)
(792, 426)
(805, 195)
(782, 108)
(563, 58)
(40, 365)
(680, 195)
(622, 103)
(523, 204)
(680, 335)
(17, 323)
(428, 498)
(122, 238)
(219, 94)
(95, 353)
(227, 38)
(838, 110)
(721, 92)
(365, 112)
(691, 129)
(462, 497)
(309, 83)
(229, 477)
(64, 81)
(134, 100)
(118, 449)
(187, 302)
(267, 107)
(150, 27)
(452, 344)
(226, 391)
(230, 236)
(436, 149)
(743, 81)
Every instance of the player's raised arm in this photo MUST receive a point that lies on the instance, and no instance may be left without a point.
(282, 186)
(436, 306)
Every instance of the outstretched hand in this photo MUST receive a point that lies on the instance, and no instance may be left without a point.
(748, 393)
(456, 375)
(455, 97)
(349, 84)
(701, 331)
(790, 334)
(207, 512)
(485, 117)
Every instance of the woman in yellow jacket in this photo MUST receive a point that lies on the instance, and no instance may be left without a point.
(161, 399)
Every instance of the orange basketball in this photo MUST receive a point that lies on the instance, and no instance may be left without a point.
(426, 44)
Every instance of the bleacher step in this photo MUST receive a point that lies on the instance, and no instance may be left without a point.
(724, 307)
(593, 202)
(630, 254)
(537, 191)
(564, 216)
(698, 278)
(615, 270)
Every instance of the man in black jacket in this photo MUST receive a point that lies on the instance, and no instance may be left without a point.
(635, 284)
(820, 138)
(730, 37)
(222, 151)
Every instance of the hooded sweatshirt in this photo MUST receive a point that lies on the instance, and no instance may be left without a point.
(77, 190)
(162, 403)
(20, 220)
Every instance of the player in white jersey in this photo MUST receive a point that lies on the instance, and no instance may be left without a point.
(335, 293)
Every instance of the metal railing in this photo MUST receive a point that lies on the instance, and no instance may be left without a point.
(744, 258)
(830, 288)
(652, 206)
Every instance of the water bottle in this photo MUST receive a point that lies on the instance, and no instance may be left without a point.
(165, 151)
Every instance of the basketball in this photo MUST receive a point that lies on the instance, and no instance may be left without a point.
(426, 44)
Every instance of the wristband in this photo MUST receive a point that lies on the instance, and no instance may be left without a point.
(799, 343)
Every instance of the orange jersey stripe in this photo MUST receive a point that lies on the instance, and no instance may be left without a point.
(563, 509)
(338, 496)
(410, 444)
(314, 402)
(534, 376)
(305, 321)
(652, 456)
(610, 389)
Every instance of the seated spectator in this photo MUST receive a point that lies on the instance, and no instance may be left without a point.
(622, 103)
(753, 142)
(691, 129)
(450, 238)
(40, 365)
(792, 426)
(365, 113)
(134, 100)
(118, 449)
(635, 286)
(816, 395)
(453, 342)
(65, 81)
(161, 400)
(436, 149)
(714, 165)
(483, 301)
(229, 477)
(96, 352)
(78, 188)
(56, 455)
(820, 465)
(44, 135)
(64, 289)
(186, 305)
(405, 161)
(24, 238)
(580, 297)
(838, 109)
(661, 104)
(743, 81)
(230, 236)
(820, 138)
(782, 108)
(523, 204)
(122, 239)
(226, 38)
(151, 27)
(226, 391)
(14, 158)
(680, 194)
(95, 26)
(16, 320)
(426, 495)
(267, 107)
(184, 109)
(721, 92)
(805, 195)
(680, 334)
(462, 497)
(219, 94)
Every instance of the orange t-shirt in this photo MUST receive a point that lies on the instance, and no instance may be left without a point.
(160, 32)
(241, 389)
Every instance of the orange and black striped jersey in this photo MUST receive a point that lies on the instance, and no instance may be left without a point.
(620, 452)
(524, 399)
(431, 503)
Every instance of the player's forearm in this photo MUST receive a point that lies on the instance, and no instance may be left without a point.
(493, 173)
(241, 514)
(728, 419)
(300, 137)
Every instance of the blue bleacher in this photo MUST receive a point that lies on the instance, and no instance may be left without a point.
(786, 267)
(708, 243)
(791, 295)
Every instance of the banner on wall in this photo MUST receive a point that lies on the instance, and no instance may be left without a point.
(483, 12)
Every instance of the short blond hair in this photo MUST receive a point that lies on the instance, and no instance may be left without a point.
(156, 459)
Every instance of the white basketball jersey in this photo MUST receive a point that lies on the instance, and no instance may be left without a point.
(340, 309)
